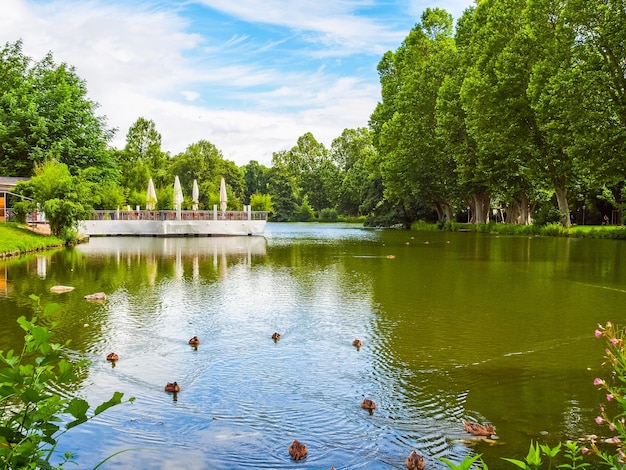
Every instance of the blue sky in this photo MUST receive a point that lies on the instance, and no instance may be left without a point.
(250, 76)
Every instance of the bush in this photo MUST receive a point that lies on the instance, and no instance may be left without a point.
(304, 213)
(554, 230)
(30, 413)
(547, 215)
(329, 215)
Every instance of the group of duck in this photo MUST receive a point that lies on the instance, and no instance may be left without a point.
(298, 451)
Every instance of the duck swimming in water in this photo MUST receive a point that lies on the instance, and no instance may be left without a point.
(415, 461)
(357, 343)
(112, 357)
(276, 336)
(368, 404)
(194, 341)
(297, 450)
(172, 387)
(479, 429)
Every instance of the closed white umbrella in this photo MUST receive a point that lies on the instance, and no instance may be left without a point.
(178, 194)
(151, 198)
(195, 194)
(223, 195)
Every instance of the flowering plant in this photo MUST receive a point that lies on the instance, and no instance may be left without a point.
(615, 389)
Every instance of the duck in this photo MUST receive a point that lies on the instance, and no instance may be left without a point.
(368, 404)
(357, 343)
(276, 336)
(297, 450)
(194, 341)
(479, 429)
(172, 387)
(112, 357)
(415, 461)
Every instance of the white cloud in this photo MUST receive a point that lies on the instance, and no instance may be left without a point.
(190, 95)
(148, 60)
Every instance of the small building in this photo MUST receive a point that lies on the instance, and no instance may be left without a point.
(7, 187)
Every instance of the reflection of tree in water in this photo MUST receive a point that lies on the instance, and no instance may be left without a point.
(127, 270)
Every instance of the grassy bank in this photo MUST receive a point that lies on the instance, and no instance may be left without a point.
(15, 239)
(553, 230)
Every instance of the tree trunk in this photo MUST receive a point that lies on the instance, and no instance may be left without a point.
(524, 209)
(561, 199)
(448, 209)
(480, 208)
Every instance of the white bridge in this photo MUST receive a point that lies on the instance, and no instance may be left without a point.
(173, 223)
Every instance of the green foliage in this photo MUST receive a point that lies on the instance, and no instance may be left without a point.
(329, 215)
(261, 202)
(312, 171)
(423, 226)
(466, 464)
(282, 190)
(613, 412)
(65, 199)
(532, 460)
(304, 213)
(32, 417)
(256, 178)
(45, 113)
(554, 230)
(547, 215)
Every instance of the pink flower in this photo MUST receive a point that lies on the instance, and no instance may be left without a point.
(599, 419)
(598, 333)
(609, 396)
(584, 450)
(598, 381)
(614, 341)
(611, 427)
(615, 440)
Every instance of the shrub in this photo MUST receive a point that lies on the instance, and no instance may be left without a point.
(554, 230)
(329, 215)
(30, 413)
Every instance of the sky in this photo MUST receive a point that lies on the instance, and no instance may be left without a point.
(250, 76)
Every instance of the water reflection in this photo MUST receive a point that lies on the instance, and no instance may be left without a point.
(453, 326)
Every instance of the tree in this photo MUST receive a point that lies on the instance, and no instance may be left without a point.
(416, 172)
(315, 174)
(261, 202)
(353, 153)
(65, 199)
(45, 113)
(255, 178)
(281, 188)
(142, 159)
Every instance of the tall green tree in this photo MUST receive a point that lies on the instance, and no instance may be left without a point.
(255, 177)
(45, 113)
(354, 154)
(204, 162)
(599, 86)
(142, 158)
(417, 173)
(282, 189)
(316, 175)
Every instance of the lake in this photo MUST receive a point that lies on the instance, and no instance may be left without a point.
(454, 326)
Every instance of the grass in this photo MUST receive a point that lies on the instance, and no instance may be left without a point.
(551, 230)
(16, 238)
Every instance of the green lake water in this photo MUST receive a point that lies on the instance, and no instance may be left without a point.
(454, 326)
